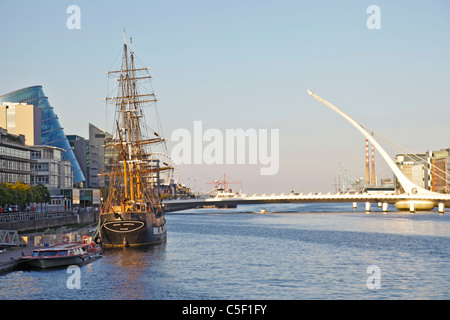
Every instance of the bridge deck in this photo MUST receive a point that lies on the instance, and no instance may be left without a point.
(177, 205)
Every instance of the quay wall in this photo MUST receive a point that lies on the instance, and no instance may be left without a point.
(55, 220)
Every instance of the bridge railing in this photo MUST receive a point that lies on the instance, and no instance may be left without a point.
(9, 238)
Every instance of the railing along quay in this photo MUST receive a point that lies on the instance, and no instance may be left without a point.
(22, 216)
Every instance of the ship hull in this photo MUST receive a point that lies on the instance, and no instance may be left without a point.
(123, 229)
(55, 262)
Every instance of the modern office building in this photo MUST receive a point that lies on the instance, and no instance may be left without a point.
(22, 118)
(80, 147)
(52, 133)
(99, 156)
(15, 158)
(441, 171)
(416, 167)
(50, 169)
(429, 170)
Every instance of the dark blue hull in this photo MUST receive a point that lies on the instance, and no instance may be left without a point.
(132, 229)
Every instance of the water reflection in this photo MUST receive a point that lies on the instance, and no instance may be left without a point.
(19, 284)
(128, 270)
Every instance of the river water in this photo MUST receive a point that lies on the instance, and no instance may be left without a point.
(294, 251)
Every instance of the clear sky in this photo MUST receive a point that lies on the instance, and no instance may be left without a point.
(247, 64)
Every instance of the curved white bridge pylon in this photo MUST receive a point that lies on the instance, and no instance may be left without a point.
(408, 185)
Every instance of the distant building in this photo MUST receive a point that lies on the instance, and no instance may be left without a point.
(429, 170)
(97, 140)
(80, 147)
(50, 169)
(441, 171)
(52, 134)
(22, 118)
(100, 158)
(416, 167)
(92, 155)
(83, 198)
(15, 158)
(387, 182)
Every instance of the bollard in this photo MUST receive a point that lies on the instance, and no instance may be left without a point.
(355, 205)
(385, 207)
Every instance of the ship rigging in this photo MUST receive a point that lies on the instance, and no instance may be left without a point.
(132, 212)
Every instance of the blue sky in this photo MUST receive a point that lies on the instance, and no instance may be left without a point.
(247, 64)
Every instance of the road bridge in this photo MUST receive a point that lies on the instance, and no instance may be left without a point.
(401, 201)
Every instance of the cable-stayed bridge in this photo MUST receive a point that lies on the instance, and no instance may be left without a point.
(412, 198)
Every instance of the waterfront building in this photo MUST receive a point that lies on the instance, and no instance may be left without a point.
(15, 158)
(22, 118)
(99, 156)
(82, 199)
(92, 155)
(416, 167)
(429, 170)
(80, 147)
(50, 169)
(52, 134)
(441, 171)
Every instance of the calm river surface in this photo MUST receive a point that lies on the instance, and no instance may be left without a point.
(295, 251)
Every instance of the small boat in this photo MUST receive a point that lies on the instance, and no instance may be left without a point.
(64, 254)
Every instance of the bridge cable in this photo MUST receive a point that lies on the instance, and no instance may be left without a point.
(393, 144)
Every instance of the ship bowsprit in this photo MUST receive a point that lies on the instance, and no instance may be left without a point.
(130, 228)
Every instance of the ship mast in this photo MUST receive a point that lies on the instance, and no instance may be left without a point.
(131, 178)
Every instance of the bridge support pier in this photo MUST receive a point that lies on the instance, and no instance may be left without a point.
(412, 207)
(420, 205)
(368, 207)
(385, 207)
(441, 207)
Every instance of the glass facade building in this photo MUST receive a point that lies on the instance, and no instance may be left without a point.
(52, 133)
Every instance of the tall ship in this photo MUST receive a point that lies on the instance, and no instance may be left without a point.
(131, 212)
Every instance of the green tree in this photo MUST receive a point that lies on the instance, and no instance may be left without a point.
(40, 194)
(22, 193)
(6, 195)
